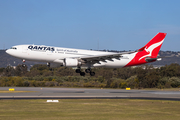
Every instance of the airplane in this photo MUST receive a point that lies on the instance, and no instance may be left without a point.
(68, 57)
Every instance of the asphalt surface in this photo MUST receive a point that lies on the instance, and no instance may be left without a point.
(85, 93)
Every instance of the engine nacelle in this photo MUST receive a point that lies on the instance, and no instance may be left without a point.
(69, 62)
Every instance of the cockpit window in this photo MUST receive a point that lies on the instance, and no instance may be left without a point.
(13, 48)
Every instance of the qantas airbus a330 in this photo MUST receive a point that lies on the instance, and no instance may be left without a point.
(58, 56)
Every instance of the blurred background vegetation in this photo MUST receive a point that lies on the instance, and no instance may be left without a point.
(134, 77)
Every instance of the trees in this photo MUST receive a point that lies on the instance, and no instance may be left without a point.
(136, 77)
(20, 70)
(9, 71)
(170, 70)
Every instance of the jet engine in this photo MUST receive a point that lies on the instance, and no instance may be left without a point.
(70, 62)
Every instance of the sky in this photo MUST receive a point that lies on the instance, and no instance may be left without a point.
(89, 24)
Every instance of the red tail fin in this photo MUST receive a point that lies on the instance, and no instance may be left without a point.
(150, 50)
(154, 45)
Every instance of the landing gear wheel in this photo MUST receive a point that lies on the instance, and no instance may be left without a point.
(24, 65)
(82, 73)
(78, 70)
(88, 70)
(92, 73)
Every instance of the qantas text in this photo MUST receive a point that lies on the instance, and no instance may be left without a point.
(43, 48)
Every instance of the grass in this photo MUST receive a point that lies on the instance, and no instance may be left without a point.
(89, 109)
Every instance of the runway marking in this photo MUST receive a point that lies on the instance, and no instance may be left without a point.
(5, 91)
(52, 100)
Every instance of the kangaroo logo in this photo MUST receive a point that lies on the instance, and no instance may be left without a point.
(150, 49)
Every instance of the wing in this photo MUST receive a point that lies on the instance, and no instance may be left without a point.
(96, 58)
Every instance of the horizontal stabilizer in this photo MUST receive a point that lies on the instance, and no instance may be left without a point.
(148, 59)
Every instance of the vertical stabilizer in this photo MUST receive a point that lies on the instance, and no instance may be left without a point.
(150, 50)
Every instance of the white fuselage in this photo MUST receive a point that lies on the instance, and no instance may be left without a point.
(58, 54)
(87, 58)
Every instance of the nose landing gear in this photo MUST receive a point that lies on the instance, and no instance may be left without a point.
(23, 63)
(48, 64)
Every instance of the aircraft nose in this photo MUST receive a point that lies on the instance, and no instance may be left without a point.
(8, 51)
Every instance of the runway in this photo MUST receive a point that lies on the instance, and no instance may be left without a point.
(85, 93)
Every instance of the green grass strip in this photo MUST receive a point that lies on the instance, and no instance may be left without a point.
(89, 109)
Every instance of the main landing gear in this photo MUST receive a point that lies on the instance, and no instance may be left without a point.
(83, 73)
(80, 72)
